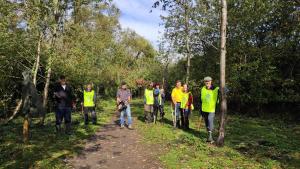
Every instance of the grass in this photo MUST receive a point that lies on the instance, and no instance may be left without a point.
(46, 148)
(249, 143)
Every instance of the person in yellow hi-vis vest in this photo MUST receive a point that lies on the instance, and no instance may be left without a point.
(89, 104)
(209, 99)
(176, 100)
(186, 106)
(148, 103)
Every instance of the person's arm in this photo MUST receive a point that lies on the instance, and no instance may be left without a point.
(129, 97)
(118, 97)
(95, 98)
(173, 97)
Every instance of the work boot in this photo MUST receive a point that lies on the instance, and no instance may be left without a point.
(130, 126)
(209, 137)
(68, 128)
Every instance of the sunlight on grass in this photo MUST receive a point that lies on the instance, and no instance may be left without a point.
(250, 143)
(46, 148)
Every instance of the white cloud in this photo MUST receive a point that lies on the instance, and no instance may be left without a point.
(135, 14)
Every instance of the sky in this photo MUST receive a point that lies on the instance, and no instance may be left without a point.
(136, 15)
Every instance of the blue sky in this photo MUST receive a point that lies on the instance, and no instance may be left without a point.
(135, 14)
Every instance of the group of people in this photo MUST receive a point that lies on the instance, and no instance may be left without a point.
(182, 104)
(65, 101)
(154, 98)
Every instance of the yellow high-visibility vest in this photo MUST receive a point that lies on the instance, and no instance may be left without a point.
(149, 96)
(209, 99)
(88, 98)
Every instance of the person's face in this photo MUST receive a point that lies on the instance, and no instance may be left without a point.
(185, 88)
(124, 87)
(151, 85)
(157, 86)
(178, 84)
(63, 81)
(208, 84)
(89, 87)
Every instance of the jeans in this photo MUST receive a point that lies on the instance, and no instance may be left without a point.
(63, 113)
(128, 114)
(209, 120)
(177, 110)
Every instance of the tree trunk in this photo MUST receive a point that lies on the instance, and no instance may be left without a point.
(37, 61)
(45, 96)
(187, 42)
(223, 107)
(77, 4)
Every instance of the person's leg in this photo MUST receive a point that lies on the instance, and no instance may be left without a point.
(155, 112)
(161, 110)
(146, 112)
(122, 118)
(67, 117)
(94, 115)
(128, 113)
(86, 115)
(211, 117)
(178, 112)
(186, 118)
(182, 118)
(205, 117)
(58, 117)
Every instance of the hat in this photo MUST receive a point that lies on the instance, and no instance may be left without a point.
(207, 79)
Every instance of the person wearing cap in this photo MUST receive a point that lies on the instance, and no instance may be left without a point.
(89, 104)
(148, 103)
(176, 100)
(209, 98)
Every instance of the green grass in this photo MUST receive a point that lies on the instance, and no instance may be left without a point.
(47, 149)
(249, 143)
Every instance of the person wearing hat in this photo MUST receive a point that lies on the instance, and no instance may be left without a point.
(209, 98)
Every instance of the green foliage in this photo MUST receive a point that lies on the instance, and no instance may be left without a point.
(250, 143)
(262, 49)
(48, 149)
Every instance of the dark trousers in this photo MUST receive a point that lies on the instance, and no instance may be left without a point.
(63, 113)
(186, 115)
(88, 110)
(156, 109)
(209, 120)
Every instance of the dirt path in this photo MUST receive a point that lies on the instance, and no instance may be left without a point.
(115, 148)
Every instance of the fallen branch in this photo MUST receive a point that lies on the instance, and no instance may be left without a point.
(17, 109)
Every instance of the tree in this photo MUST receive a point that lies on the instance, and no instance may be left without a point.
(223, 106)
